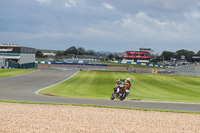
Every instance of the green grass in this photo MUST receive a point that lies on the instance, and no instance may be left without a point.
(100, 106)
(12, 72)
(146, 87)
(96, 84)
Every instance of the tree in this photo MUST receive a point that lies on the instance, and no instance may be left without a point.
(166, 55)
(71, 50)
(90, 52)
(39, 54)
(116, 56)
(80, 51)
(110, 56)
(185, 52)
(59, 53)
(198, 53)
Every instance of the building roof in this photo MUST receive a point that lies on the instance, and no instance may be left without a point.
(9, 45)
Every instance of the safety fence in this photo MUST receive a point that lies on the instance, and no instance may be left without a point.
(187, 70)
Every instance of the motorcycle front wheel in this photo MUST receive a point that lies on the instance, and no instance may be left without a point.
(123, 97)
(112, 96)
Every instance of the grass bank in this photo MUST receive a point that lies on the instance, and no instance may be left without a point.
(146, 87)
(12, 72)
(99, 106)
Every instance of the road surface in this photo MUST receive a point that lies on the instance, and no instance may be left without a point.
(24, 88)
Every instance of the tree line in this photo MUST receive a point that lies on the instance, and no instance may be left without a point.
(70, 51)
(167, 55)
(75, 51)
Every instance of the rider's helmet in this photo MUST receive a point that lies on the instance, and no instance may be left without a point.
(128, 79)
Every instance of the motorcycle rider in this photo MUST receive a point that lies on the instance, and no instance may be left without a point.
(128, 82)
(127, 85)
(121, 89)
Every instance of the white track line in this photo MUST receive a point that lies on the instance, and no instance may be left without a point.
(55, 84)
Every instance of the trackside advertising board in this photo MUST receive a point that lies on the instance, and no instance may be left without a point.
(10, 49)
(26, 50)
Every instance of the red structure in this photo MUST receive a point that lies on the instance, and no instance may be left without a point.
(136, 56)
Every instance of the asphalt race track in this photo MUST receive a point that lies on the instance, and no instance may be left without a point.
(24, 88)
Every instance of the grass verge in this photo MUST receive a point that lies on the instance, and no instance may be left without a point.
(146, 87)
(13, 72)
(100, 106)
(93, 82)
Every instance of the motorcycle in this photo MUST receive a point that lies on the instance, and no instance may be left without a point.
(120, 91)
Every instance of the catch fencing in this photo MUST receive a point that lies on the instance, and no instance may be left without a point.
(186, 70)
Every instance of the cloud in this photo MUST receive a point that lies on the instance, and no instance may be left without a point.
(44, 1)
(107, 5)
(70, 3)
(161, 25)
(73, 2)
(195, 14)
(140, 29)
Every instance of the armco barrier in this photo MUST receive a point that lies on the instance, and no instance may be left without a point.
(3, 67)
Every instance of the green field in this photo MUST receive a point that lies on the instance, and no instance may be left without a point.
(146, 87)
(12, 72)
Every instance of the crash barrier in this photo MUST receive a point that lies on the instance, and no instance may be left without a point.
(74, 63)
(138, 63)
(14, 65)
(3, 67)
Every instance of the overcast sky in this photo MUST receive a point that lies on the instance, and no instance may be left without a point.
(102, 25)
